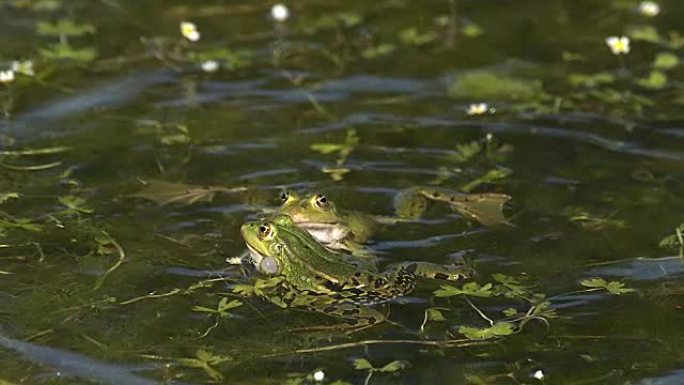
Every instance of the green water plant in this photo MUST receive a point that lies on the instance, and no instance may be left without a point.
(674, 241)
(392, 367)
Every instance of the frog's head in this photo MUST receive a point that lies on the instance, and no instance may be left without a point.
(264, 239)
(289, 200)
(314, 208)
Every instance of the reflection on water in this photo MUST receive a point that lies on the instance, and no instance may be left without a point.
(358, 100)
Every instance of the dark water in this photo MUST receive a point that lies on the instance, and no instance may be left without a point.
(594, 143)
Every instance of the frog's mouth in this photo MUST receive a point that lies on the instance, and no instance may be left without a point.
(254, 256)
(325, 232)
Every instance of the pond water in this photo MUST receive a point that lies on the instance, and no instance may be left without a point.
(100, 284)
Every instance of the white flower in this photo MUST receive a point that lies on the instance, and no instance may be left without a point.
(234, 260)
(6, 76)
(619, 45)
(23, 67)
(210, 66)
(539, 375)
(477, 109)
(279, 12)
(649, 8)
(189, 31)
(319, 375)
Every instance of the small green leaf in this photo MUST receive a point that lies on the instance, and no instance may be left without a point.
(617, 288)
(434, 314)
(466, 151)
(499, 329)
(394, 366)
(243, 290)
(411, 36)
(472, 30)
(645, 33)
(378, 51)
(613, 287)
(64, 51)
(475, 290)
(327, 148)
(491, 176)
(594, 283)
(502, 329)
(591, 81)
(655, 80)
(362, 364)
(224, 305)
(510, 312)
(475, 333)
(4, 197)
(447, 291)
(471, 288)
(666, 61)
(64, 27)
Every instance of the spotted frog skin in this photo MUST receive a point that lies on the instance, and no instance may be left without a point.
(316, 278)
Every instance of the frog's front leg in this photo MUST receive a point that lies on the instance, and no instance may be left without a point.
(360, 251)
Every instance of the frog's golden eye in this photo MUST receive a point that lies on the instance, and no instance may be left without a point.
(321, 201)
(265, 231)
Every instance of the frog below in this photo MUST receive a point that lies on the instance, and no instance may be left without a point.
(318, 279)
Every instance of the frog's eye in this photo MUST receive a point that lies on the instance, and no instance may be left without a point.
(321, 201)
(285, 196)
(269, 266)
(265, 230)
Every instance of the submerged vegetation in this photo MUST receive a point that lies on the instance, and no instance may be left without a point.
(541, 148)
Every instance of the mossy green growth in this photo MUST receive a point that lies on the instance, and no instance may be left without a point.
(481, 85)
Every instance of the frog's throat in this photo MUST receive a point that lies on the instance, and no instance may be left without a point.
(325, 232)
(254, 256)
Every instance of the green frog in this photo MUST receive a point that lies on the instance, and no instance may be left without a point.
(350, 229)
(313, 277)
(335, 229)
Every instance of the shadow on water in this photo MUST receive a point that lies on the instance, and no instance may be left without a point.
(78, 365)
(113, 93)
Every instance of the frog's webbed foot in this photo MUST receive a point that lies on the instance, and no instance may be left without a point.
(486, 208)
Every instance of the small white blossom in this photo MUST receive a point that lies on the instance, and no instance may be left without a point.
(539, 375)
(234, 260)
(210, 66)
(649, 8)
(23, 67)
(619, 45)
(189, 31)
(6, 76)
(477, 109)
(279, 12)
(319, 375)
